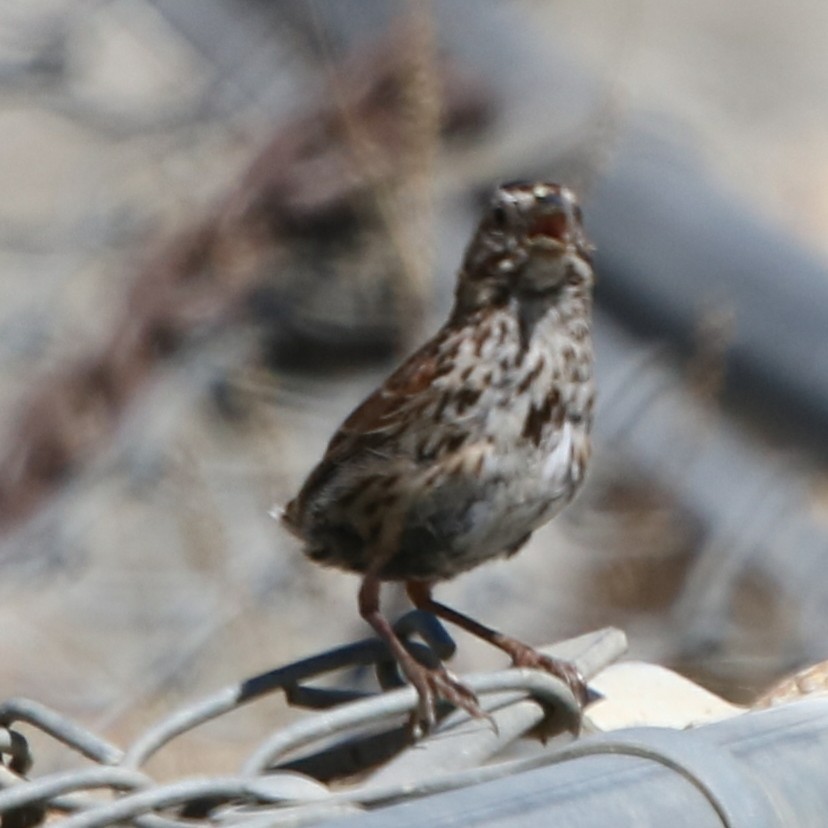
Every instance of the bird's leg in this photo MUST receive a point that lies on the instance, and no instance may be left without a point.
(522, 655)
(430, 683)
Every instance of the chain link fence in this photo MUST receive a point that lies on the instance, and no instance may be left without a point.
(354, 751)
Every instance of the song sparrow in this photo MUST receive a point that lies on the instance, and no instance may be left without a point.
(479, 438)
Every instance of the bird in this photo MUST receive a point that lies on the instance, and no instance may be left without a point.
(477, 439)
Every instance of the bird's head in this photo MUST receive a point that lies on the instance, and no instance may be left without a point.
(529, 245)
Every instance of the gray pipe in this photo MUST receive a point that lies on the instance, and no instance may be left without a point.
(758, 770)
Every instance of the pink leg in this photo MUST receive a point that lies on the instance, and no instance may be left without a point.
(430, 683)
(522, 654)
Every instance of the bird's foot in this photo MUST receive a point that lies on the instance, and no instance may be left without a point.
(525, 656)
(434, 684)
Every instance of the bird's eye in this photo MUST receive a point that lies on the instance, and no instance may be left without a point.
(499, 217)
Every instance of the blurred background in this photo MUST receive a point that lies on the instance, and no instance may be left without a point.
(223, 221)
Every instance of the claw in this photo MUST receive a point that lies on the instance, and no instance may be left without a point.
(564, 670)
(524, 656)
(433, 684)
